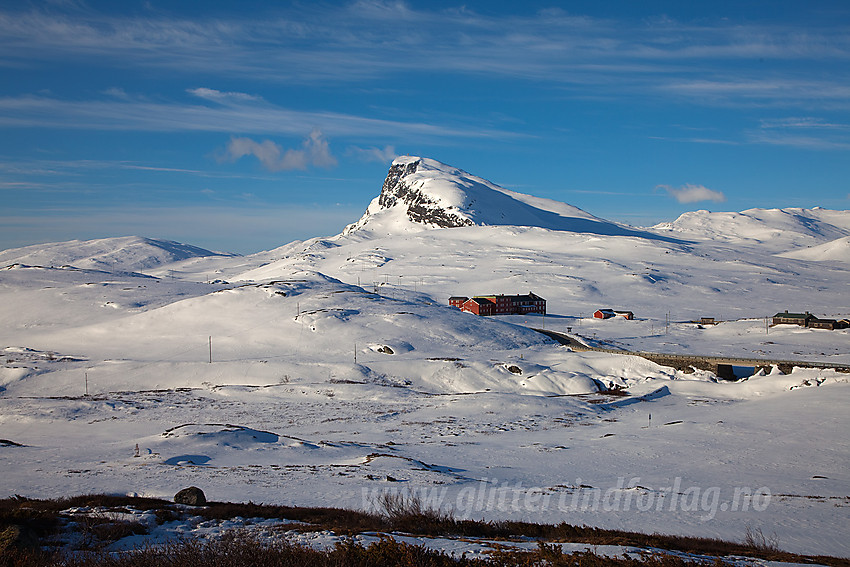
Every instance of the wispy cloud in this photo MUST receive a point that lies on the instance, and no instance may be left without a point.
(238, 115)
(222, 97)
(808, 122)
(117, 92)
(782, 91)
(698, 140)
(373, 154)
(802, 132)
(314, 151)
(56, 175)
(690, 193)
(372, 39)
(801, 142)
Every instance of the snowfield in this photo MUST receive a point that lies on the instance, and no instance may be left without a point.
(326, 372)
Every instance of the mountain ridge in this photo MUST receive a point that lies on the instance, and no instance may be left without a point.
(122, 253)
(421, 194)
(778, 230)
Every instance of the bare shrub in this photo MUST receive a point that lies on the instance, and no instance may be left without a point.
(164, 515)
(405, 511)
(756, 539)
(100, 529)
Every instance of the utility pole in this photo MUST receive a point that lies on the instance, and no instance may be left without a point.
(355, 353)
(87, 383)
(210, 349)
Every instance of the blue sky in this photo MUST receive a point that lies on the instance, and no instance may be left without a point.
(241, 126)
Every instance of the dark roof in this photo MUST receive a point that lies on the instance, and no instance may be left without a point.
(786, 315)
(529, 297)
(458, 298)
(481, 300)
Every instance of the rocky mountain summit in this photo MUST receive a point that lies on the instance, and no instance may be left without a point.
(421, 207)
(420, 193)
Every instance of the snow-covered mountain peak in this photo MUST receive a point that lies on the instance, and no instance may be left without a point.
(418, 193)
(421, 193)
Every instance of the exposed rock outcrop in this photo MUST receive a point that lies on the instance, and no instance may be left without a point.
(420, 207)
(192, 496)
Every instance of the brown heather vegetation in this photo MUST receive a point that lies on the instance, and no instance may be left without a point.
(41, 518)
(241, 551)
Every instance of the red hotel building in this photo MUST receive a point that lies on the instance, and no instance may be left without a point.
(486, 305)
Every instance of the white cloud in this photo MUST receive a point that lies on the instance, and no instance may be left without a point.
(238, 116)
(690, 193)
(380, 155)
(805, 133)
(314, 151)
(804, 123)
(117, 92)
(220, 96)
(828, 92)
(309, 43)
(802, 142)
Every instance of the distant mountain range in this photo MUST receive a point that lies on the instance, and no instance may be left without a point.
(777, 230)
(420, 193)
(443, 231)
(122, 254)
(423, 194)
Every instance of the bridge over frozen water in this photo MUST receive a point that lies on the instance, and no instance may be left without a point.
(722, 366)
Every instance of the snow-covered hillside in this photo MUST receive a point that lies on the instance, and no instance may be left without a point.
(122, 254)
(771, 230)
(493, 240)
(837, 250)
(334, 367)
